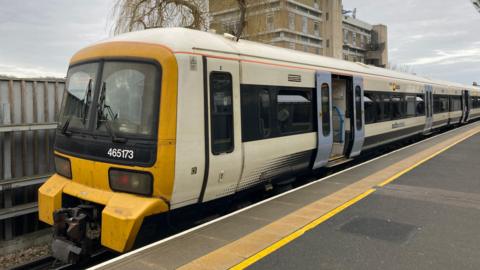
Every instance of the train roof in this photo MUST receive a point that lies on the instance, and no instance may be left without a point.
(188, 40)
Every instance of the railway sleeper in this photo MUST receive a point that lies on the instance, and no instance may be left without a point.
(76, 233)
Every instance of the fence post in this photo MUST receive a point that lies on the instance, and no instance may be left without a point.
(7, 167)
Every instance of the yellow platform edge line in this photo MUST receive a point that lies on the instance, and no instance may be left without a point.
(397, 175)
(287, 239)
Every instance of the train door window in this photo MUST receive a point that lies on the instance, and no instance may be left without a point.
(420, 105)
(325, 109)
(370, 108)
(264, 112)
(358, 107)
(294, 111)
(221, 112)
(411, 109)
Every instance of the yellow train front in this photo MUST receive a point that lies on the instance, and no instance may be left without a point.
(109, 148)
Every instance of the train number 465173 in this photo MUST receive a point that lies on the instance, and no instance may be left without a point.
(120, 153)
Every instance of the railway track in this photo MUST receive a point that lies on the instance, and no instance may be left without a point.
(46, 262)
(50, 263)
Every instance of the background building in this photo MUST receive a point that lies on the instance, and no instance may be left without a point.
(316, 26)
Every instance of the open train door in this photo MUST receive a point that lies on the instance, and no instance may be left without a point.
(358, 117)
(466, 102)
(323, 87)
(428, 109)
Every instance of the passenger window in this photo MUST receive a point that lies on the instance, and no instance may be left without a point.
(358, 107)
(221, 112)
(370, 108)
(294, 111)
(420, 105)
(411, 109)
(396, 107)
(436, 104)
(264, 112)
(444, 104)
(325, 109)
(386, 107)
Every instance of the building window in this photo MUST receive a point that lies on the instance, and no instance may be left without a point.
(291, 21)
(354, 38)
(328, 43)
(305, 25)
(362, 40)
(317, 50)
(270, 25)
(316, 28)
(305, 48)
(315, 4)
(292, 45)
(345, 36)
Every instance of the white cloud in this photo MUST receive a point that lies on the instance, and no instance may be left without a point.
(28, 72)
(438, 38)
(449, 57)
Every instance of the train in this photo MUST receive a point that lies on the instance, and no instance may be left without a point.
(161, 119)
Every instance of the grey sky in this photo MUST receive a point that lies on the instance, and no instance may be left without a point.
(38, 37)
(437, 38)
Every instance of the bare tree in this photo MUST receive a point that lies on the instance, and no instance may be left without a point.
(401, 68)
(132, 15)
(247, 15)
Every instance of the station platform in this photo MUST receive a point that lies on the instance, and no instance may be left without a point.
(414, 208)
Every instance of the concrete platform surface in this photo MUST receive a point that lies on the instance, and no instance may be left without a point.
(429, 218)
(328, 224)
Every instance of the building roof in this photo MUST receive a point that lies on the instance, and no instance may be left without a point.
(188, 40)
(358, 23)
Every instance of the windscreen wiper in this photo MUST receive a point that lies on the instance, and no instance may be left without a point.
(65, 126)
(101, 106)
(88, 94)
(87, 102)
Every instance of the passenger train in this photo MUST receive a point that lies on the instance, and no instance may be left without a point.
(157, 120)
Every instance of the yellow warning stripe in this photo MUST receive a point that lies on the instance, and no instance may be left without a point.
(397, 175)
(289, 238)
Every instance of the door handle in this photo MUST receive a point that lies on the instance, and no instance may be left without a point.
(220, 176)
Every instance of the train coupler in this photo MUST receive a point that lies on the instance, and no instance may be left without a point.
(76, 233)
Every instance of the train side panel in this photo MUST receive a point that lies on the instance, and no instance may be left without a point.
(190, 157)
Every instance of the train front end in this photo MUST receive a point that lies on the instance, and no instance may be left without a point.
(114, 148)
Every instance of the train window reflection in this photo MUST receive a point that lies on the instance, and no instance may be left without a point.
(294, 111)
(77, 99)
(221, 111)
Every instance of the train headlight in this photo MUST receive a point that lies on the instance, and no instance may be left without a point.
(63, 167)
(131, 181)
